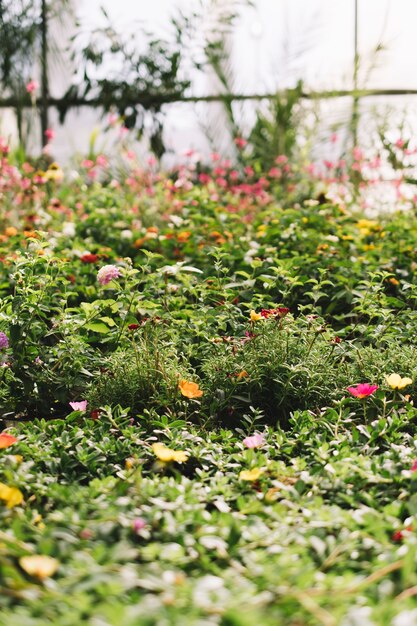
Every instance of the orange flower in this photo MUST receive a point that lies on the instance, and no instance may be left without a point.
(6, 440)
(10, 231)
(139, 242)
(190, 390)
(184, 236)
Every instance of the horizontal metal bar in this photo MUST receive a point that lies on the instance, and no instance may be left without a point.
(159, 99)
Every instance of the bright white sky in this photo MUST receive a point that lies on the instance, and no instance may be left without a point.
(271, 38)
(276, 43)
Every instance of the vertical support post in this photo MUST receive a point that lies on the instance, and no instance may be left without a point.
(355, 106)
(44, 72)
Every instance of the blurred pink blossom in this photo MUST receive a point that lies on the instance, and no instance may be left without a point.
(255, 441)
(107, 273)
(32, 86)
(79, 406)
(50, 134)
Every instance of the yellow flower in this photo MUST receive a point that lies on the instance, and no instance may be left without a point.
(366, 227)
(39, 566)
(166, 454)
(54, 172)
(10, 495)
(129, 463)
(255, 317)
(251, 475)
(396, 382)
(190, 390)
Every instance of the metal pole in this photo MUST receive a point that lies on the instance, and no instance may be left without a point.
(44, 72)
(355, 107)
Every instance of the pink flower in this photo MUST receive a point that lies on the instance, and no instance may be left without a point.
(275, 172)
(4, 341)
(32, 86)
(78, 406)
(255, 441)
(240, 142)
(363, 390)
(101, 160)
(112, 119)
(413, 468)
(50, 134)
(107, 273)
(281, 158)
(138, 524)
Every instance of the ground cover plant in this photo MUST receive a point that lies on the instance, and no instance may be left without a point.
(207, 393)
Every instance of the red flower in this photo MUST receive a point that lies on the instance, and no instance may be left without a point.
(363, 390)
(133, 326)
(280, 312)
(399, 535)
(88, 257)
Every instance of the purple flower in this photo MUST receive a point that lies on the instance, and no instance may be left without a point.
(78, 406)
(256, 441)
(4, 342)
(107, 273)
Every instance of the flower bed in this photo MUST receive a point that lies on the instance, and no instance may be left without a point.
(207, 394)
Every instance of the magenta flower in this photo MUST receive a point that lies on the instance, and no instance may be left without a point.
(256, 441)
(4, 341)
(363, 390)
(413, 468)
(78, 406)
(107, 273)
